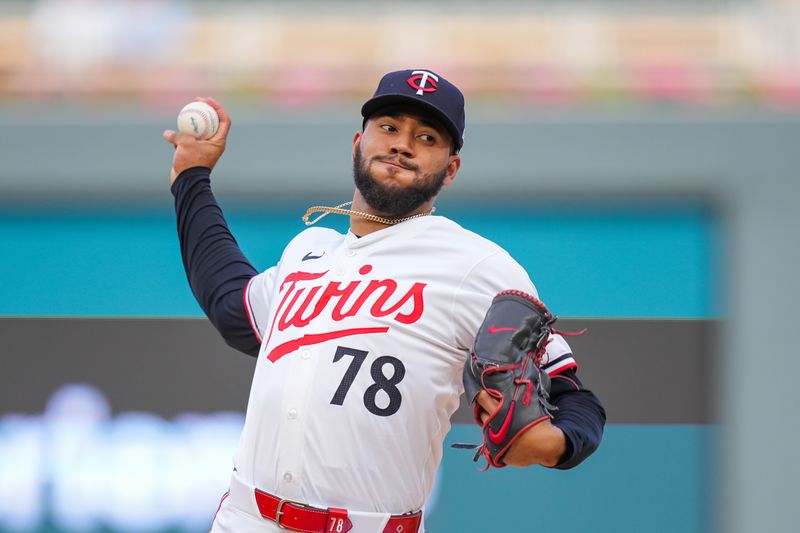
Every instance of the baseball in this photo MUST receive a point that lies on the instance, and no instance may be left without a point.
(198, 119)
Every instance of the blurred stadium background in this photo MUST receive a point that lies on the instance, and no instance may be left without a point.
(638, 157)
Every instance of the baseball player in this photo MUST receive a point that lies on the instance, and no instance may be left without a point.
(362, 338)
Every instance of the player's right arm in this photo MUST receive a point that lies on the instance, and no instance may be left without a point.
(217, 270)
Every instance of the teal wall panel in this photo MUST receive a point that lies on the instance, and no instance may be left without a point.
(592, 261)
(643, 478)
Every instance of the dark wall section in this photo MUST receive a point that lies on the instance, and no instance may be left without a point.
(165, 366)
(645, 371)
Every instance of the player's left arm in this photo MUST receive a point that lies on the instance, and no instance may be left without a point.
(572, 435)
(575, 429)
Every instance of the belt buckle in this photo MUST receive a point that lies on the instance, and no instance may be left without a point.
(279, 512)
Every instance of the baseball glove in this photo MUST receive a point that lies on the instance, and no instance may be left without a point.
(505, 362)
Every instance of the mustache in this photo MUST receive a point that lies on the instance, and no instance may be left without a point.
(397, 160)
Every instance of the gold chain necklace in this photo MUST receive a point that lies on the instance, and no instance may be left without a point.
(338, 210)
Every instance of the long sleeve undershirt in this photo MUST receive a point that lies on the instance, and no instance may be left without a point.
(217, 269)
(580, 416)
(218, 273)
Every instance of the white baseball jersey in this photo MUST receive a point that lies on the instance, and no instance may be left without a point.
(363, 341)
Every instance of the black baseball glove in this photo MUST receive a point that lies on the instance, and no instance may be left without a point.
(505, 362)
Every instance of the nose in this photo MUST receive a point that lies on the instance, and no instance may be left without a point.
(403, 144)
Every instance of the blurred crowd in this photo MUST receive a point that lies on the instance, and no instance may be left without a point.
(76, 34)
(695, 53)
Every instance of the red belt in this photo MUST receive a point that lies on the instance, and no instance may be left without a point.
(295, 516)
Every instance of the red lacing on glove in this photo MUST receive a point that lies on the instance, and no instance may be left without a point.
(532, 299)
(493, 369)
(538, 354)
(526, 396)
(569, 333)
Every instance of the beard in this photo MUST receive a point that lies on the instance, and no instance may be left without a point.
(395, 201)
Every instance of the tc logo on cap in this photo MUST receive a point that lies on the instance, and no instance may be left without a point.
(420, 80)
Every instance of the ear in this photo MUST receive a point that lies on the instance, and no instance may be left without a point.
(452, 170)
(356, 141)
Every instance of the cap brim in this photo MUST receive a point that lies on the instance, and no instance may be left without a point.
(374, 104)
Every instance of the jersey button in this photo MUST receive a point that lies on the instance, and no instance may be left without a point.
(340, 272)
(351, 253)
(305, 354)
(287, 477)
(292, 413)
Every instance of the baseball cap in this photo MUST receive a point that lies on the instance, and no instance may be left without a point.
(424, 89)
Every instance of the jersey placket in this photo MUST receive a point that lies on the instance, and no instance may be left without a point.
(301, 375)
(297, 393)
(292, 422)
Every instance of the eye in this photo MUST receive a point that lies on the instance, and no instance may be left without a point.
(428, 138)
(388, 127)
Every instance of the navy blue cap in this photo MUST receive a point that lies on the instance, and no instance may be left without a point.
(424, 89)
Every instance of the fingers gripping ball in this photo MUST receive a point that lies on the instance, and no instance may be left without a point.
(198, 119)
(505, 362)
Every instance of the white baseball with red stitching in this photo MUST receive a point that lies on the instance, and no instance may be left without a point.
(198, 119)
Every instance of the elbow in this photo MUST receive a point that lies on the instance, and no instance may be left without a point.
(247, 344)
(583, 432)
(229, 317)
(587, 448)
(237, 333)
(582, 444)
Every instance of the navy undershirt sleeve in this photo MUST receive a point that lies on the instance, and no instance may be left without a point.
(580, 416)
(217, 269)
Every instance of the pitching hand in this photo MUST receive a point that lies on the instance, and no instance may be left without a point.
(191, 152)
